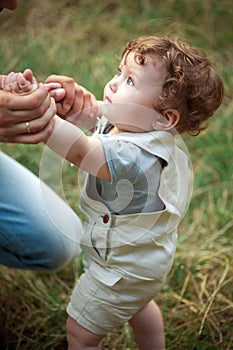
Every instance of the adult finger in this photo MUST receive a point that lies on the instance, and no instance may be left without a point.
(15, 108)
(32, 126)
(29, 102)
(33, 138)
(68, 84)
(55, 91)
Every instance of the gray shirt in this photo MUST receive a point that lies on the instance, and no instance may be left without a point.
(135, 177)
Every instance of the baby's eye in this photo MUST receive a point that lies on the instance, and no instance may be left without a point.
(118, 72)
(130, 82)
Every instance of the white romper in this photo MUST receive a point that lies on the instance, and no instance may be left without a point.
(128, 256)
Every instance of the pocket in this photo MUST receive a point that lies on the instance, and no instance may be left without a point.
(104, 275)
(95, 240)
(99, 239)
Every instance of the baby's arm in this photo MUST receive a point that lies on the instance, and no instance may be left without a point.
(86, 152)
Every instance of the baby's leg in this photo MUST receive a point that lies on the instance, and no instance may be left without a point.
(147, 325)
(79, 338)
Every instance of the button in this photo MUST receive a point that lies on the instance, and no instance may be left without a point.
(105, 219)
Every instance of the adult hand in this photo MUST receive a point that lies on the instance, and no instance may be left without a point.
(28, 118)
(75, 100)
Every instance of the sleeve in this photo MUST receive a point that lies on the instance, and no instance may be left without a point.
(123, 158)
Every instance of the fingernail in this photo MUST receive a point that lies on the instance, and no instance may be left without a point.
(66, 106)
(59, 92)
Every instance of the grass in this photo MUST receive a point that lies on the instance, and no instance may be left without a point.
(81, 39)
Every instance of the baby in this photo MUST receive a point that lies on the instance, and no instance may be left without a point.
(136, 187)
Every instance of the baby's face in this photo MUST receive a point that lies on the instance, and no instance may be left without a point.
(133, 92)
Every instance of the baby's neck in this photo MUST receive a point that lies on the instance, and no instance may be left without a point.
(114, 131)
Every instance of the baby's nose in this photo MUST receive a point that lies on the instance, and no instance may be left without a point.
(113, 85)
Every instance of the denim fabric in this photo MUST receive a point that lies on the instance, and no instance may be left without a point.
(34, 235)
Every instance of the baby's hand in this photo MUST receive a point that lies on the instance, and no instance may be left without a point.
(19, 83)
(75, 100)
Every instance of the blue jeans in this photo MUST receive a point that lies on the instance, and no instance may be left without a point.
(34, 235)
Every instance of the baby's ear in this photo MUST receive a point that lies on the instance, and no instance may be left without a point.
(168, 120)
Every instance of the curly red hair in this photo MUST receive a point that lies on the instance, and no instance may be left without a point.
(191, 86)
